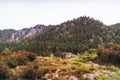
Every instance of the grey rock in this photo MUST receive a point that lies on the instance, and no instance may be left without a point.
(89, 76)
(26, 33)
(66, 55)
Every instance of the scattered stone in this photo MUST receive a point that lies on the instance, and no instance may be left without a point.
(47, 75)
(89, 76)
(69, 55)
(52, 55)
(66, 55)
(73, 78)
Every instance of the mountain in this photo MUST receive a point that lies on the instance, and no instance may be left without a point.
(116, 30)
(76, 36)
(10, 35)
(26, 33)
(5, 35)
(117, 25)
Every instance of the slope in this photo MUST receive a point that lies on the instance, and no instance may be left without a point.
(76, 36)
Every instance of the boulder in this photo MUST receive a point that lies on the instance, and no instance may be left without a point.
(66, 55)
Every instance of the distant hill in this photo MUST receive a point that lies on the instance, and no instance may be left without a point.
(10, 35)
(5, 35)
(117, 25)
(25, 33)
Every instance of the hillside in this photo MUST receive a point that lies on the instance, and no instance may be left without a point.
(117, 25)
(76, 36)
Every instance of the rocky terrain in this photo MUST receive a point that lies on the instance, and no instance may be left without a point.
(16, 35)
(24, 65)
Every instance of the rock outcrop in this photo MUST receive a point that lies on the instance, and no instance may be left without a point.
(25, 33)
(66, 55)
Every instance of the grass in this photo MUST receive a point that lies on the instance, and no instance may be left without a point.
(115, 76)
(85, 57)
(114, 73)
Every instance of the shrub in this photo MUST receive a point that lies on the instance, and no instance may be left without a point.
(110, 55)
(4, 72)
(31, 72)
(11, 62)
(22, 57)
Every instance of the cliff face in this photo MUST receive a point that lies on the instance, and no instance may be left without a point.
(11, 35)
(25, 33)
(5, 35)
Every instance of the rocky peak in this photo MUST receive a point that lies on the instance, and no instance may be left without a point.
(25, 33)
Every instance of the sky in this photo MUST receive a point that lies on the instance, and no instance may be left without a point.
(18, 14)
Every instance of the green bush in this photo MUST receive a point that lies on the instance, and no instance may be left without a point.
(85, 57)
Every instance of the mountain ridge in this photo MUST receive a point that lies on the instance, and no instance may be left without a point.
(76, 36)
(16, 35)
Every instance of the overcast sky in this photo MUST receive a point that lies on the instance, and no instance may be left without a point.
(18, 14)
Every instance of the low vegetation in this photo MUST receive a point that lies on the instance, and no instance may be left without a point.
(110, 55)
(24, 65)
(85, 57)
